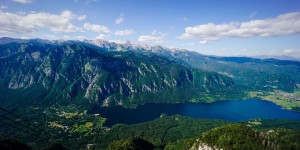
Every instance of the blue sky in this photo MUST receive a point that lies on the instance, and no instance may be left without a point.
(214, 27)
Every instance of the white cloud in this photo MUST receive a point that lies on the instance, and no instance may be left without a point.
(26, 23)
(24, 37)
(120, 19)
(190, 44)
(102, 36)
(96, 28)
(81, 17)
(187, 45)
(118, 41)
(124, 32)
(285, 24)
(66, 14)
(292, 52)
(23, 1)
(3, 7)
(286, 52)
(203, 42)
(154, 37)
(79, 37)
(66, 37)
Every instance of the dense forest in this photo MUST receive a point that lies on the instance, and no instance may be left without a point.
(166, 132)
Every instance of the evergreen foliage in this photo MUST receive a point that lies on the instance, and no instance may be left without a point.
(134, 143)
(11, 144)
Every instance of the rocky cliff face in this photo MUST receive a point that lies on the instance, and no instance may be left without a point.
(39, 72)
(252, 73)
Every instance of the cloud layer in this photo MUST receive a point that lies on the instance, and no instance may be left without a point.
(124, 32)
(286, 52)
(81, 17)
(285, 24)
(154, 37)
(120, 19)
(23, 1)
(27, 23)
(102, 36)
(96, 28)
(3, 7)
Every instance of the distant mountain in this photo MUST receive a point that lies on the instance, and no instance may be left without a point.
(252, 73)
(281, 57)
(36, 72)
(5, 40)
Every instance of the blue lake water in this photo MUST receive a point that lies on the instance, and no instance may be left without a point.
(232, 110)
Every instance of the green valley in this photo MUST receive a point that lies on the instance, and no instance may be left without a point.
(149, 75)
(290, 101)
(54, 86)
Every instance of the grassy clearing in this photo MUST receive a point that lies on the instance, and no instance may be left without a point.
(290, 101)
(254, 122)
(88, 126)
(55, 124)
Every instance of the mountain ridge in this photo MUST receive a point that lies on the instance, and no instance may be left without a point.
(256, 78)
(138, 46)
(72, 72)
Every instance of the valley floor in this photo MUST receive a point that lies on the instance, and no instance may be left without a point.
(176, 132)
(289, 101)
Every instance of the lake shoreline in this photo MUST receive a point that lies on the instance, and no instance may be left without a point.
(230, 110)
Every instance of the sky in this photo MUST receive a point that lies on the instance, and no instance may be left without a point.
(213, 27)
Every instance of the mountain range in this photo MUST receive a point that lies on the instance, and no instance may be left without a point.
(254, 73)
(102, 73)
(79, 72)
(54, 84)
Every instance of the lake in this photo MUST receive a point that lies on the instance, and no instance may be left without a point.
(231, 110)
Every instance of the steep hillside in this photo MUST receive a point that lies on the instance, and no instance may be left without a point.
(237, 136)
(270, 79)
(75, 72)
(255, 74)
